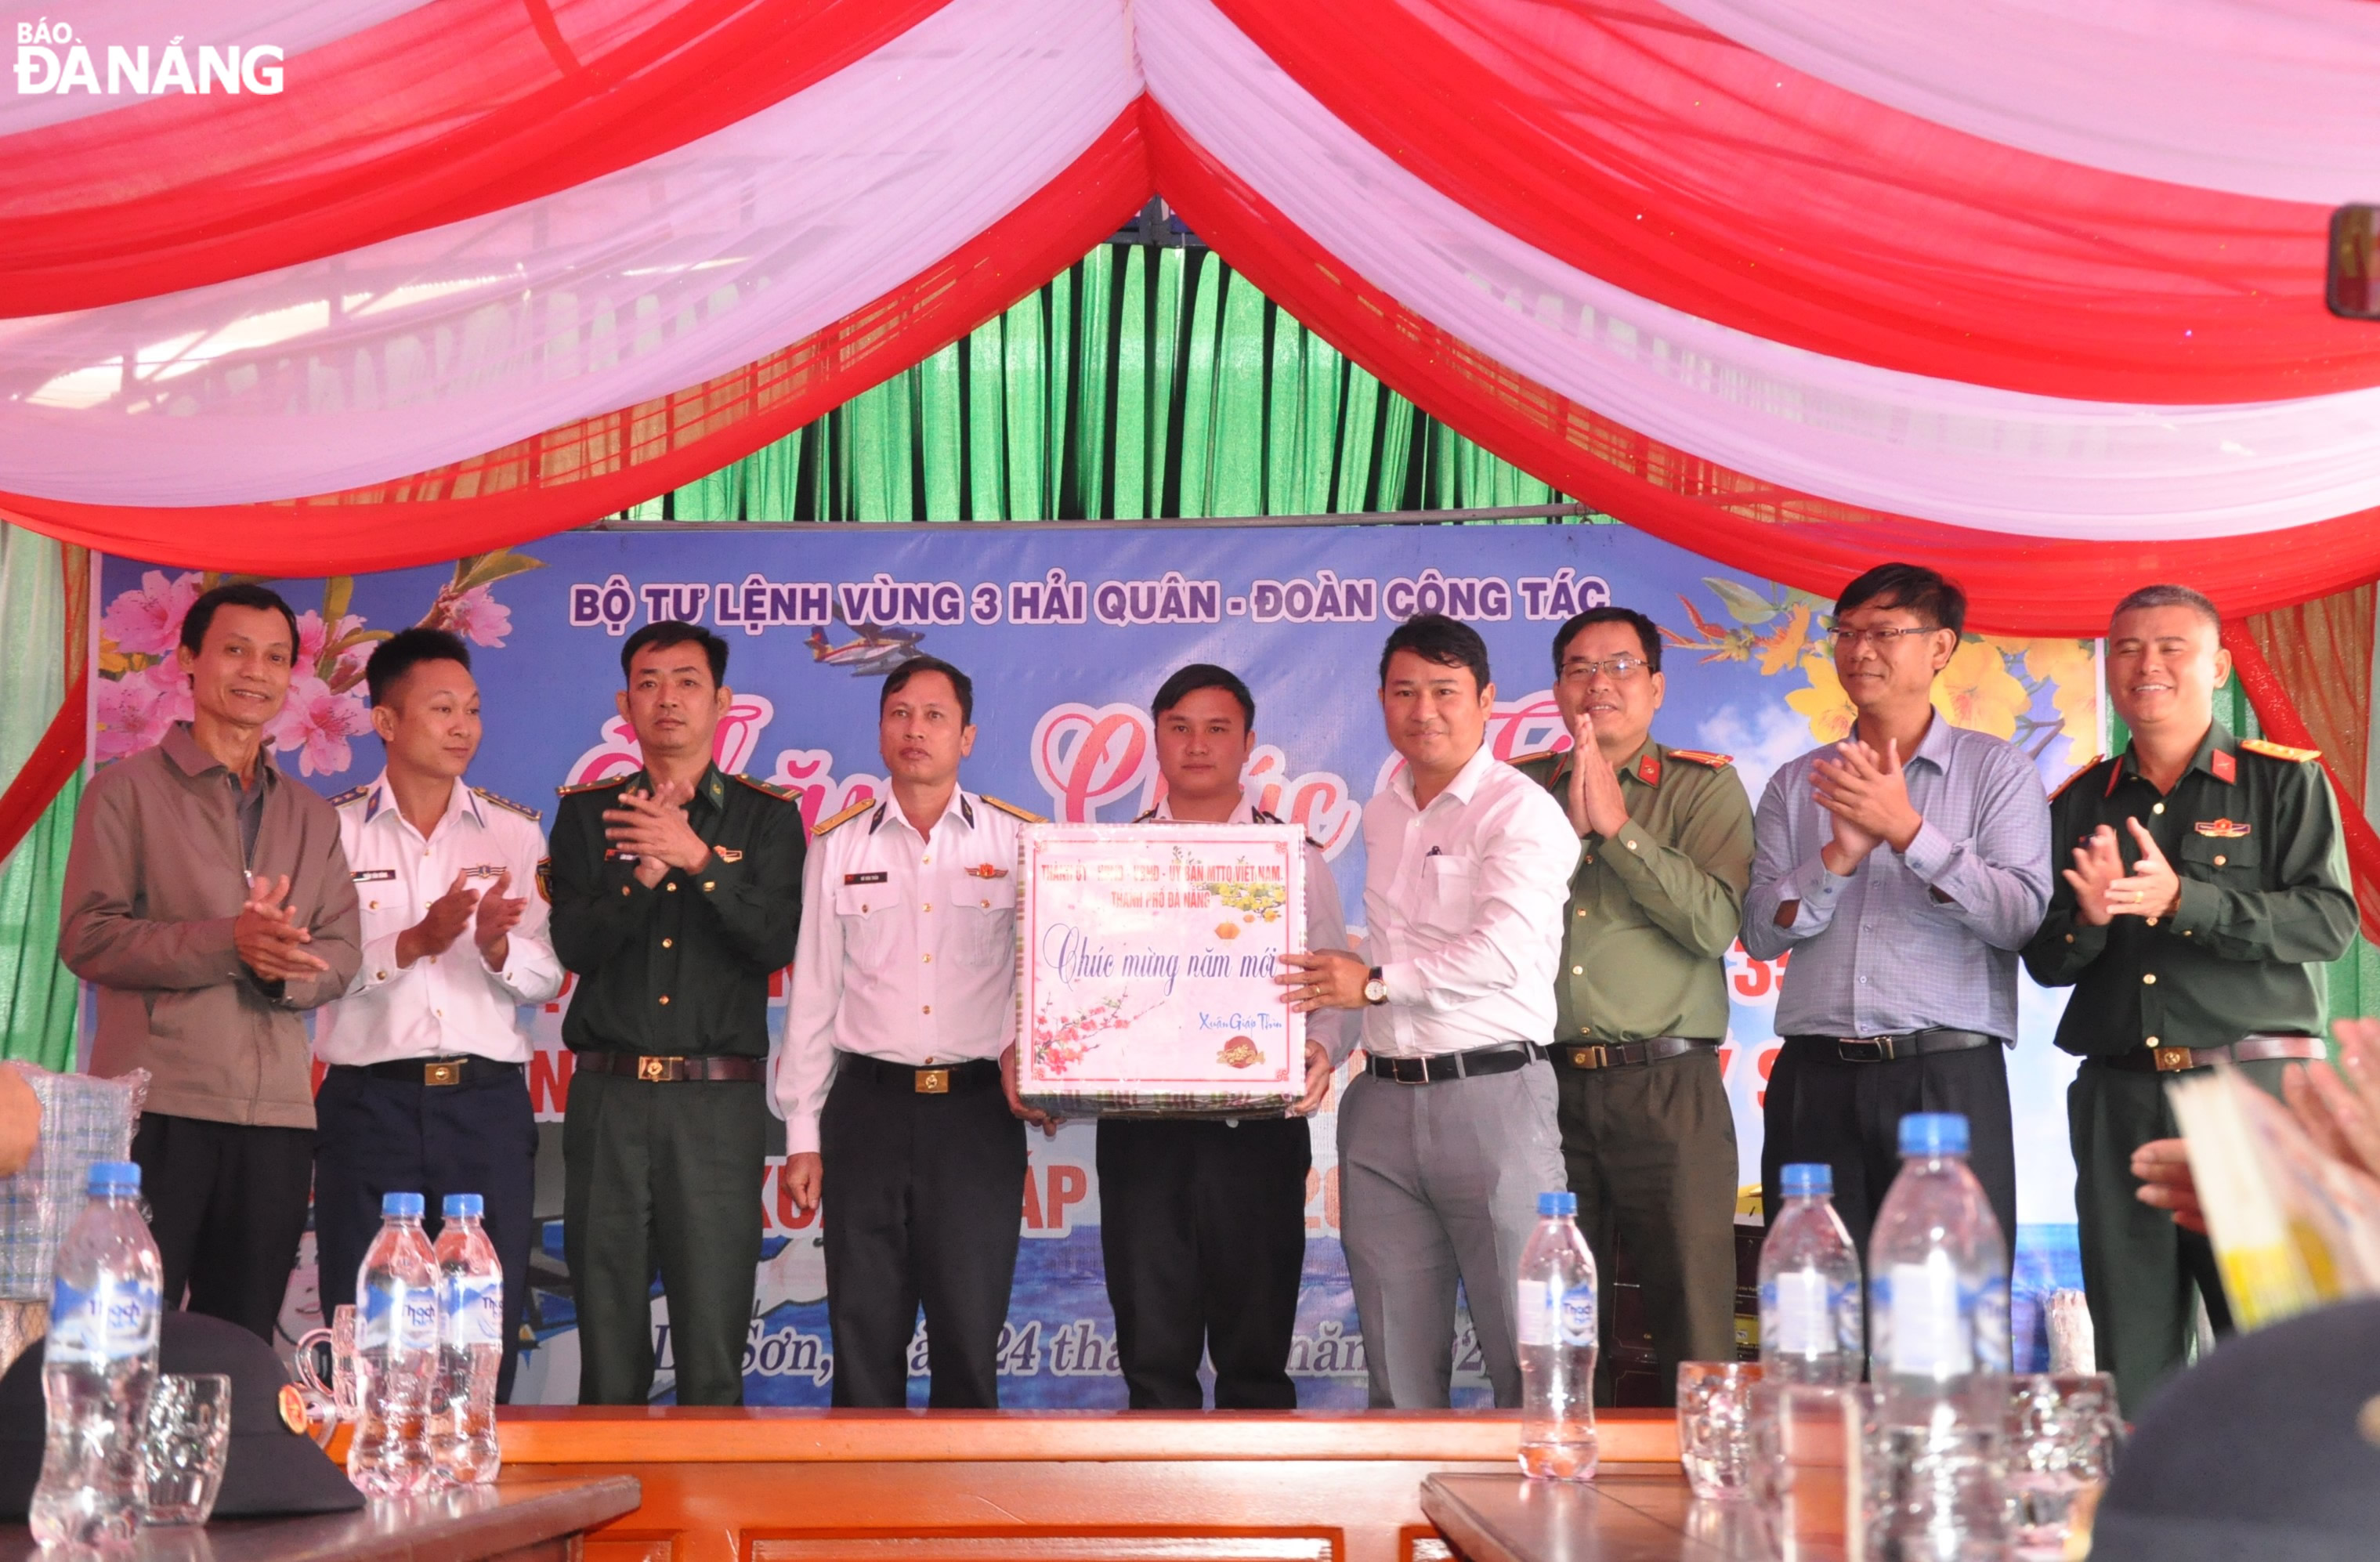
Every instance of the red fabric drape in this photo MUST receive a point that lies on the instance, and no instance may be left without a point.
(1633, 144)
(573, 474)
(60, 750)
(445, 112)
(2284, 724)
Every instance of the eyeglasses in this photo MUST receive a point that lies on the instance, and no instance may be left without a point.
(1853, 639)
(1619, 667)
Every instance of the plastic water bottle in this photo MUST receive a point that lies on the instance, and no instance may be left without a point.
(1555, 1320)
(1809, 1286)
(98, 1366)
(397, 1354)
(1937, 1297)
(471, 1346)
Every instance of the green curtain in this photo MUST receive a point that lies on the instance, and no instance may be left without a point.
(37, 995)
(1142, 383)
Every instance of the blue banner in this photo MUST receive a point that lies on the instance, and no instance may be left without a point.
(1067, 632)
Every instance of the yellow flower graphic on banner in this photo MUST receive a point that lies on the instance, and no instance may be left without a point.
(1976, 691)
(1824, 705)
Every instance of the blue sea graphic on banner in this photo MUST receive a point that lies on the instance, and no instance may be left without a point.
(1068, 632)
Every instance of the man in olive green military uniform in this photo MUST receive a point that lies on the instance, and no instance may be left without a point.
(676, 891)
(2209, 945)
(1648, 1136)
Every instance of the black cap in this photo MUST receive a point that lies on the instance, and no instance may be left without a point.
(2267, 1449)
(267, 1470)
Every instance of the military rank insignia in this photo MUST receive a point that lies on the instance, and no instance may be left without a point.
(987, 870)
(2223, 830)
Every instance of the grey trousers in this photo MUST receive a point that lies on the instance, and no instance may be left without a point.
(1440, 1182)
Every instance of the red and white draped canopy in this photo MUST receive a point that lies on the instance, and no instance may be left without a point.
(2030, 293)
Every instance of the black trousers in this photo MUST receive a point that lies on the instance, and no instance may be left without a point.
(227, 1206)
(662, 1176)
(923, 1199)
(1848, 1115)
(375, 1136)
(1203, 1227)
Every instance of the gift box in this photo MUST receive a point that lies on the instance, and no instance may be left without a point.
(1146, 959)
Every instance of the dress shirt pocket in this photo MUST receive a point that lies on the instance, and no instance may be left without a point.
(1450, 891)
(987, 911)
(2232, 862)
(865, 912)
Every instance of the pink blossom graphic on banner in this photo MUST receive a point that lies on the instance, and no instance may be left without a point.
(477, 617)
(317, 723)
(149, 621)
(315, 635)
(134, 710)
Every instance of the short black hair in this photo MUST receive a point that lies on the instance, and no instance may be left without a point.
(407, 649)
(1912, 587)
(245, 594)
(1433, 636)
(1649, 634)
(666, 632)
(1199, 676)
(2168, 595)
(899, 678)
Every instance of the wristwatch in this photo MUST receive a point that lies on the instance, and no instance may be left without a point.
(1376, 990)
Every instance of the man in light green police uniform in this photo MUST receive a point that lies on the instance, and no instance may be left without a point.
(2208, 888)
(1648, 1138)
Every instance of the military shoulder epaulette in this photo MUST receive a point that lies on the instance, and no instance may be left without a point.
(352, 794)
(844, 817)
(2088, 765)
(2280, 750)
(1702, 756)
(1013, 812)
(591, 786)
(783, 794)
(1541, 754)
(1143, 819)
(523, 809)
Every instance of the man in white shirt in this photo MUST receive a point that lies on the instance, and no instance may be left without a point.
(425, 1091)
(1448, 1136)
(1203, 1222)
(894, 1078)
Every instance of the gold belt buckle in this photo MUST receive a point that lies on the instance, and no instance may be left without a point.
(657, 1071)
(1596, 1057)
(933, 1082)
(2174, 1059)
(441, 1074)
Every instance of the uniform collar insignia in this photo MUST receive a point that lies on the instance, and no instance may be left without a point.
(2224, 765)
(716, 788)
(875, 821)
(967, 810)
(1648, 769)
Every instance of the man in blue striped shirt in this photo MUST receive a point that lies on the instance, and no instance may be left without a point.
(1903, 869)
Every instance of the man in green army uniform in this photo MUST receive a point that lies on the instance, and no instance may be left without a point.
(2209, 945)
(676, 891)
(1648, 1138)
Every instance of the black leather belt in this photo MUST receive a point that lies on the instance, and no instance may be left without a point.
(1502, 1059)
(926, 1079)
(673, 1070)
(1906, 1044)
(1592, 1055)
(462, 1069)
(2182, 1060)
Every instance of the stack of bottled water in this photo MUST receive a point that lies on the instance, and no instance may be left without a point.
(1937, 1292)
(397, 1354)
(1555, 1320)
(98, 1367)
(471, 1346)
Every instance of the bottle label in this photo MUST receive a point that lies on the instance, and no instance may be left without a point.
(1533, 1314)
(114, 1320)
(1577, 1318)
(397, 1317)
(475, 1311)
(1931, 1337)
(1805, 1325)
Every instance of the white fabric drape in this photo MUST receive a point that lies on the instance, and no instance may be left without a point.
(2273, 97)
(440, 344)
(1939, 450)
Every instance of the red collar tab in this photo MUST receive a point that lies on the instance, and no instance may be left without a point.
(2225, 765)
(1648, 769)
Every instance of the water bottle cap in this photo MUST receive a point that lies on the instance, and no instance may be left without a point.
(458, 1205)
(1563, 1205)
(405, 1206)
(113, 1176)
(1804, 1180)
(1934, 1133)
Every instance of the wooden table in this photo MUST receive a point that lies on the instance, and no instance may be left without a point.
(1622, 1518)
(518, 1522)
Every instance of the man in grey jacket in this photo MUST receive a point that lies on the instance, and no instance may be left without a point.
(207, 899)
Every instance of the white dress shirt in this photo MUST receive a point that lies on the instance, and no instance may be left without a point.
(1326, 925)
(907, 951)
(441, 1005)
(1464, 905)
